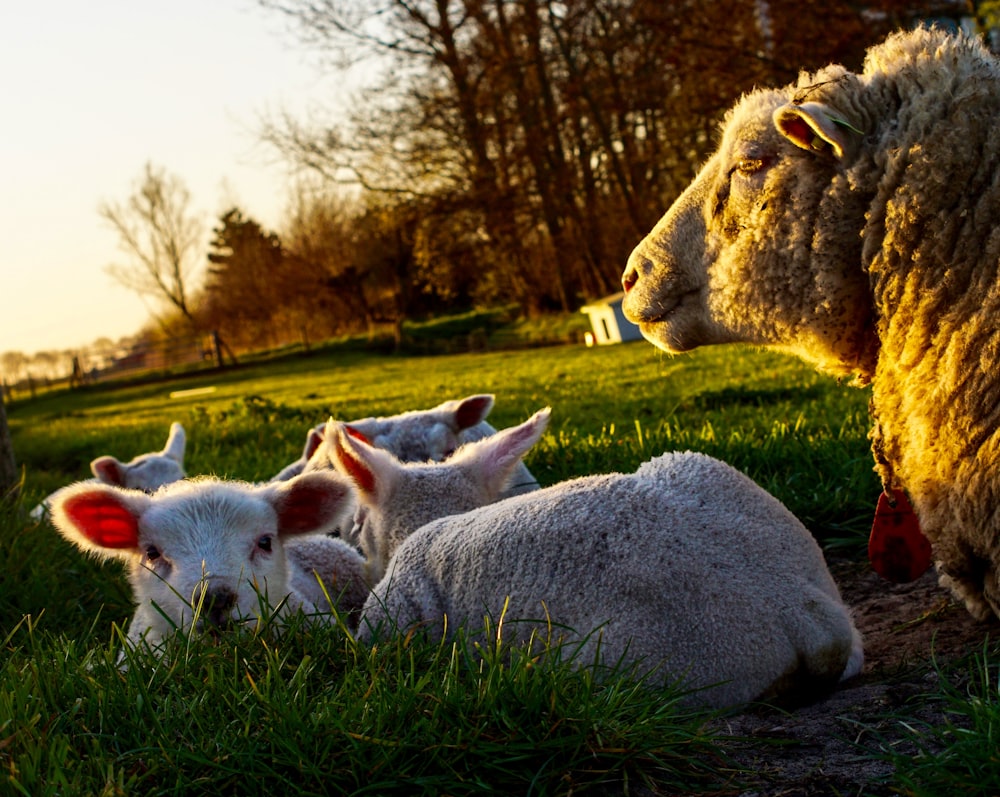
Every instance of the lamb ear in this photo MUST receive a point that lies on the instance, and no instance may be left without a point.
(100, 518)
(175, 443)
(492, 459)
(365, 428)
(814, 126)
(472, 410)
(109, 470)
(310, 502)
(371, 469)
(313, 441)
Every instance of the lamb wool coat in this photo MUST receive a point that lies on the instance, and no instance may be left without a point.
(686, 568)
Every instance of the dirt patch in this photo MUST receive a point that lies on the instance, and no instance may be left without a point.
(821, 749)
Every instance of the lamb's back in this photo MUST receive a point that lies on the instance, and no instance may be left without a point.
(686, 560)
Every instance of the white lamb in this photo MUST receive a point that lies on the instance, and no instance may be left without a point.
(207, 553)
(146, 472)
(418, 436)
(314, 439)
(686, 567)
(396, 498)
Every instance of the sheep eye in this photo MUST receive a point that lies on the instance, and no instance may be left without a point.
(152, 553)
(264, 543)
(749, 166)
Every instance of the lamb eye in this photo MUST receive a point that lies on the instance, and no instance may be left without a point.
(152, 553)
(264, 543)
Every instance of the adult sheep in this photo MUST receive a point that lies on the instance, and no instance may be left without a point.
(850, 219)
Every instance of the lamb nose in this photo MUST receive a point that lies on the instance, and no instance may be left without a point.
(630, 278)
(219, 605)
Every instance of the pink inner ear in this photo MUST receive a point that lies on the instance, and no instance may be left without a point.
(359, 473)
(305, 509)
(313, 442)
(103, 520)
(108, 470)
(472, 411)
(798, 130)
(357, 435)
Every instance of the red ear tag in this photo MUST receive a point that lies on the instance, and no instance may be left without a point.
(897, 548)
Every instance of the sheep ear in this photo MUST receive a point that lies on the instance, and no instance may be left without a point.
(371, 469)
(175, 443)
(310, 502)
(108, 470)
(814, 126)
(100, 518)
(471, 411)
(493, 459)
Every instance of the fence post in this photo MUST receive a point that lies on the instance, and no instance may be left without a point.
(217, 348)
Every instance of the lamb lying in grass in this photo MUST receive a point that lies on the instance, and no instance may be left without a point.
(146, 472)
(396, 498)
(685, 567)
(417, 436)
(205, 554)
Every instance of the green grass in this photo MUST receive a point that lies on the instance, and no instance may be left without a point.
(799, 433)
(311, 712)
(959, 755)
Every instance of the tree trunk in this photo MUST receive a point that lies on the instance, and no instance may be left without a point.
(8, 470)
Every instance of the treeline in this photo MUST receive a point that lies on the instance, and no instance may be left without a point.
(502, 151)
(516, 150)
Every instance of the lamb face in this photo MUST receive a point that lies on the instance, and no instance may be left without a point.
(203, 554)
(426, 435)
(217, 554)
(765, 245)
(146, 472)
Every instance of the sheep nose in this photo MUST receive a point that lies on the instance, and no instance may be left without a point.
(218, 606)
(630, 278)
(637, 266)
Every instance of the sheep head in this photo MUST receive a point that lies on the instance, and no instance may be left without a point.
(765, 245)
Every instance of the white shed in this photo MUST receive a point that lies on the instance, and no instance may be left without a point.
(609, 322)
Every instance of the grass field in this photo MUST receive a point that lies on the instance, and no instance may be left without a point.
(309, 711)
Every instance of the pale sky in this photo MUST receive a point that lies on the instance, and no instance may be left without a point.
(93, 90)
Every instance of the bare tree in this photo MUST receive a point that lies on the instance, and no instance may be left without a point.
(163, 239)
(541, 139)
(13, 364)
